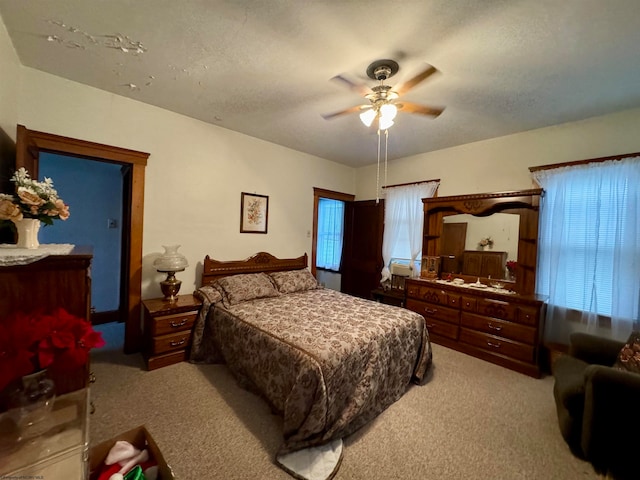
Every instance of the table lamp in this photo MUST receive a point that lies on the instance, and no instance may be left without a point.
(170, 262)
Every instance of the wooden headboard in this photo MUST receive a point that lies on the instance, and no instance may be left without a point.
(260, 262)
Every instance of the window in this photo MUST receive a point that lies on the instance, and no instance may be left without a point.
(403, 219)
(330, 233)
(589, 247)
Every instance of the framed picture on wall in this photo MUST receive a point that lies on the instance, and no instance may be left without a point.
(254, 213)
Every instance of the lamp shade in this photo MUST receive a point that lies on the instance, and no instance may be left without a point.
(368, 116)
(385, 122)
(171, 260)
(389, 111)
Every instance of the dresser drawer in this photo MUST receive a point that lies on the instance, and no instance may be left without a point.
(500, 345)
(428, 294)
(496, 308)
(433, 311)
(444, 329)
(528, 315)
(502, 328)
(172, 341)
(469, 304)
(172, 323)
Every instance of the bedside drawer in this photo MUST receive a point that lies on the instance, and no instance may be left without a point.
(173, 341)
(172, 323)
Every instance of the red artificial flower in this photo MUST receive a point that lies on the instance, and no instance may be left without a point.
(58, 340)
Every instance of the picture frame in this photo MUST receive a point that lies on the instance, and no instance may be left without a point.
(254, 213)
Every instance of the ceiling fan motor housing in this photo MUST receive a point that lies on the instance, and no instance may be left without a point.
(382, 69)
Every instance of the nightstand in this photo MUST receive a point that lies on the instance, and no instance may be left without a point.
(167, 329)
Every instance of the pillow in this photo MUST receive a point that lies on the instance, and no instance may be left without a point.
(208, 293)
(629, 356)
(294, 281)
(244, 287)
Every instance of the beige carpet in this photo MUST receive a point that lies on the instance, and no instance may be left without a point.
(472, 420)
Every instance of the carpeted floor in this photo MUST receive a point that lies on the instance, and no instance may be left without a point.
(471, 420)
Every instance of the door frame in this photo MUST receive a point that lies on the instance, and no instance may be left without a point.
(319, 193)
(29, 144)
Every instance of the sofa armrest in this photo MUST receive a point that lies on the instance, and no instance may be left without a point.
(610, 423)
(594, 349)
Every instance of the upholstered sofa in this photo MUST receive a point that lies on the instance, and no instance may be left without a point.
(599, 405)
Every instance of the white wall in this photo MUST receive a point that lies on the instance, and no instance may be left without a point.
(194, 177)
(9, 84)
(503, 163)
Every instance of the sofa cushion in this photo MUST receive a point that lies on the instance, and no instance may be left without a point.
(629, 357)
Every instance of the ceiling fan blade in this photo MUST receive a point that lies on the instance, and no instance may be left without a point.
(412, 82)
(355, 109)
(356, 87)
(421, 109)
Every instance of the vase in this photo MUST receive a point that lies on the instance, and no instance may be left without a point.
(28, 233)
(31, 403)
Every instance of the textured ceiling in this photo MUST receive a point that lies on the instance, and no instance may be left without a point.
(264, 68)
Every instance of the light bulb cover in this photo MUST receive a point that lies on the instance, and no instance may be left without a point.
(388, 110)
(368, 116)
(385, 123)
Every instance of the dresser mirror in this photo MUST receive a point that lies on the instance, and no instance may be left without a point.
(480, 246)
(509, 219)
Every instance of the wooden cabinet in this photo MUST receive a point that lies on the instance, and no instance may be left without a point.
(484, 264)
(167, 329)
(393, 296)
(55, 281)
(502, 328)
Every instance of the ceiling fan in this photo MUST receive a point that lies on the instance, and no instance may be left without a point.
(384, 101)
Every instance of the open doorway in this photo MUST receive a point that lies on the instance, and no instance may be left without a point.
(96, 191)
(30, 144)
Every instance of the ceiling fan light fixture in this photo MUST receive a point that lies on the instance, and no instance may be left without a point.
(385, 122)
(389, 110)
(368, 116)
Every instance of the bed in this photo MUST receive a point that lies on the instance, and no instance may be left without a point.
(326, 361)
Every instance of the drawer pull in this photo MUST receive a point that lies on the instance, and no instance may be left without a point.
(178, 324)
(431, 311)
(493, 327)
(494, 345)
(430, 325)
(177, 344)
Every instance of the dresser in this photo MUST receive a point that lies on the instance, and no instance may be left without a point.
(55, 281)
(167, 329)
(502, 328)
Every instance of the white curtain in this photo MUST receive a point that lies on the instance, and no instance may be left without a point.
(330, 233)
(403, 219)
(589, 248)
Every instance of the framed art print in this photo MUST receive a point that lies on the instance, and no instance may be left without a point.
(254, 213)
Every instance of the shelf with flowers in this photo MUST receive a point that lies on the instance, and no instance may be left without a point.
(32, 204)
(33, 346)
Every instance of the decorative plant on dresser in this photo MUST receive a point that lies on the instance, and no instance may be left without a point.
(497, 319)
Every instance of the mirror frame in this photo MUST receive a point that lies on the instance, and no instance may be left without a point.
(525, 203)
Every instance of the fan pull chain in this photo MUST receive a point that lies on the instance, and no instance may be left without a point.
(386, 147)
(378, 172)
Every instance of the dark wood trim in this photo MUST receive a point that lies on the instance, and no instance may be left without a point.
(260, 262)
(30, 143)
(411, 183)
(319, 193)
(583, 162)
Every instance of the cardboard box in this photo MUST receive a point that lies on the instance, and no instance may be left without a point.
(140, 438)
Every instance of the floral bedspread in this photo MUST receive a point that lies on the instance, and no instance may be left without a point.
(326, 361)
